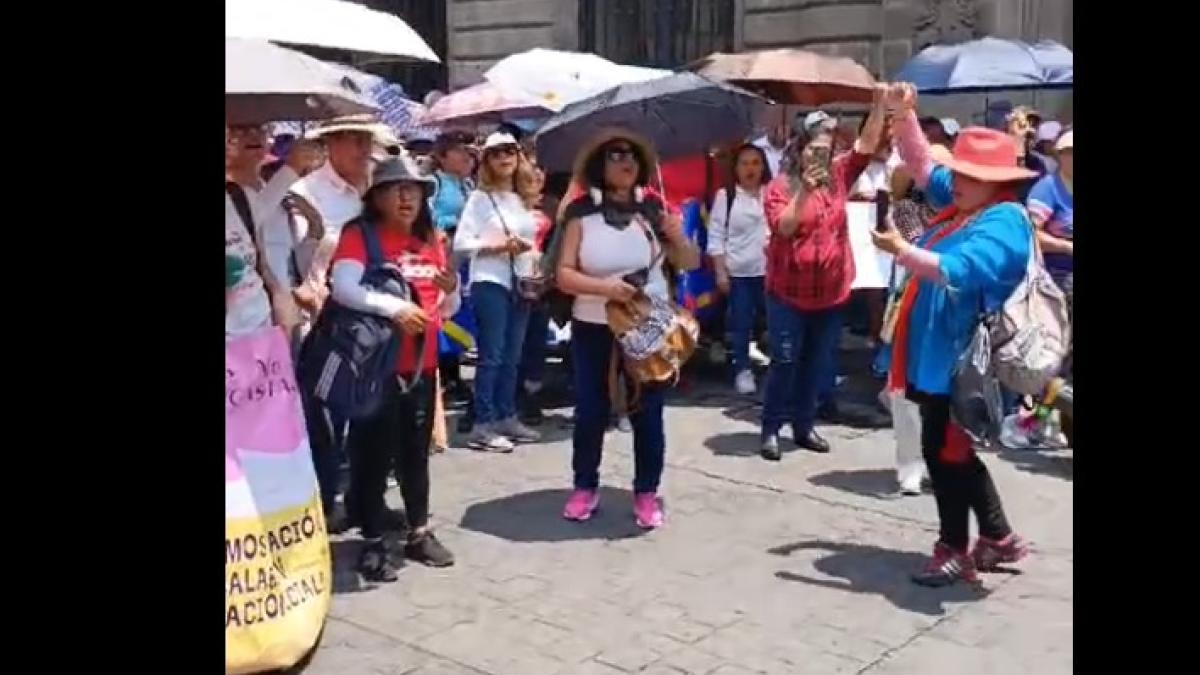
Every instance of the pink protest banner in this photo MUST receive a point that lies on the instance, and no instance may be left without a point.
(277, 562)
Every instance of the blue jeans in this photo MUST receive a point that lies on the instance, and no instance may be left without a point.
(745, 302)
(533, 354)
(827, 389)
(501, 319)
(802, 347)
(591, 348)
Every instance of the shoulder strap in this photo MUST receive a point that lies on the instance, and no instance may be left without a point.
(241, 204)
(656, 250)
(371, 243)
(730, 195)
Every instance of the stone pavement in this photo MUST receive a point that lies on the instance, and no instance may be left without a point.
(799, 566)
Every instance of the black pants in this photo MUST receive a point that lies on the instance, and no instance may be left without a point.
(325, 442)
(395, 438)
(961, 482)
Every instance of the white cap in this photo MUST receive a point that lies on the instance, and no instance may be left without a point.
(950, 126)
(497, 139)
(1066, 141)
(815, 118)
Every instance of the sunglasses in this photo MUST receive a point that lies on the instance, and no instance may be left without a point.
(506, 150)
(619, 153)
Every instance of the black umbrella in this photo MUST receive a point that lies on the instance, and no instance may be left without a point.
(680, 114)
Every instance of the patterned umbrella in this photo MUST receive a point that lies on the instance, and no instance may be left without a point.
(483, 103)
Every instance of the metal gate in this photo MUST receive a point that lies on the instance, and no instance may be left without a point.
(660, 33)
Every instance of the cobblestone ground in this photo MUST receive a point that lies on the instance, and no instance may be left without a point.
(799, 566)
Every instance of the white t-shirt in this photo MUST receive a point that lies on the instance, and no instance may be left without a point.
(337, 201)
(877, 176)
(774, 155)
(249, 308)
(743, 239)
(606, 252)
(483, 225)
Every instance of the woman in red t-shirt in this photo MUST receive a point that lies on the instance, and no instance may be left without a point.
(396, 209)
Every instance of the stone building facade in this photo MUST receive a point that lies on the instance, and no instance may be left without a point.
(880, 34)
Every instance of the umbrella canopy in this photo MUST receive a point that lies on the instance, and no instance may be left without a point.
(791, 76)
(483, 103)
(681, 114)
(265, 83)
(557, 78)
(326, 23)
(989, 64)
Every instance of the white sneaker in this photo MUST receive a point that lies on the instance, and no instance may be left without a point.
(487, 440)
(517, 432)
(756, 356)
(911, 485)
(744, 383)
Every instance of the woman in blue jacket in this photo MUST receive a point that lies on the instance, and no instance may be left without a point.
(973, 256)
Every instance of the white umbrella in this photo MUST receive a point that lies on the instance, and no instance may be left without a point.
(265, 82)
(556, 78)
(326, 23)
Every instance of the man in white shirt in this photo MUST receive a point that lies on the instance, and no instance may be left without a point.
(336, 189)
(773, 143)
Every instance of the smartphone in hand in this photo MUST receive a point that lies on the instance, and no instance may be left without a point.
(883, 203)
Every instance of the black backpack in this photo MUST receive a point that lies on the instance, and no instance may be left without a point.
(349, 355)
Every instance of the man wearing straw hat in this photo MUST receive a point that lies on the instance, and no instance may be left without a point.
(336, 191)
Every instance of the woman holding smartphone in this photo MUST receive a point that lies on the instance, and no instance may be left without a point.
(810, 268)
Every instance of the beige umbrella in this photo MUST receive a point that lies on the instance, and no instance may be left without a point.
(267, 83)
(791, 76)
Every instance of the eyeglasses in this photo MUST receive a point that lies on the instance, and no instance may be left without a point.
(619, 153)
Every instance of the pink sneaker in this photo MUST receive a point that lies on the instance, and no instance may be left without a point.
(581, 504)
(648, 511)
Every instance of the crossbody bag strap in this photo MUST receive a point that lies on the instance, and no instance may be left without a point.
(512, 260)
(656, 249)
(241, 204)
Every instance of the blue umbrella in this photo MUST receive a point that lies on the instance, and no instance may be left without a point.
(990, 64)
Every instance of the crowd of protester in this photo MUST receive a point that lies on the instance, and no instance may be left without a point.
(477, 227)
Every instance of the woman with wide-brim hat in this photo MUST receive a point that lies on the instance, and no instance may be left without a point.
(613, 232)
(973, 257)
(396, 209)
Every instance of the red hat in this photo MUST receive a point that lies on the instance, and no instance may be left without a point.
(987, 155)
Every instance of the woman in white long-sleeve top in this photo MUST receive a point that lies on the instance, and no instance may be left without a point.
(737, 241)
(497, 232)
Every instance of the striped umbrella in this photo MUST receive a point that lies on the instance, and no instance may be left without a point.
(483, 103)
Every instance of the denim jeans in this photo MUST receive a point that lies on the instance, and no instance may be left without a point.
(745, 302)
(802, 346)
(533, 354)
(591, 347)
(827, 388)
(501, 319)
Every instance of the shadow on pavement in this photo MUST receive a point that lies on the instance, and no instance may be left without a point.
(537, 517)
(1032, 461)
(877, 483)
(859, 568)
(734, 444)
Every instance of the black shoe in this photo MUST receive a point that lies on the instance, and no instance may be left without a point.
(770, 448)
(428, 550)
(531, 409)
(828, 412)
(813, 442)
(466, 423)
(374, 565)
(337, 520)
